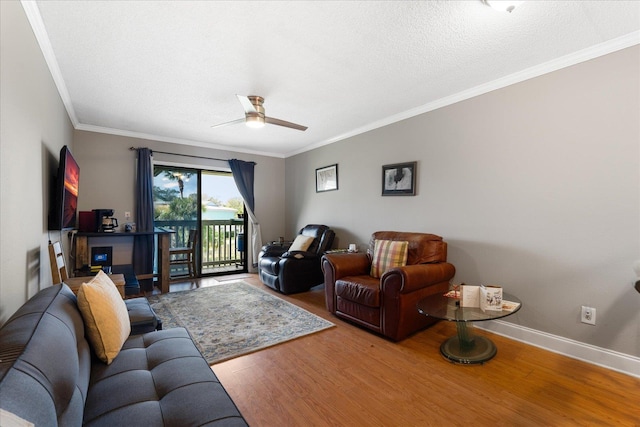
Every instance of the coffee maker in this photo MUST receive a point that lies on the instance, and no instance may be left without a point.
(105, 222)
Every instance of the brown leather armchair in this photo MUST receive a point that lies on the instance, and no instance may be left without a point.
(387, 305)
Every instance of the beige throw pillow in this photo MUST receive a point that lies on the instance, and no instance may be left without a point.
(105, 315)
(301, 243)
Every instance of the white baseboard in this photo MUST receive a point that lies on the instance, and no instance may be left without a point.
(609, 359)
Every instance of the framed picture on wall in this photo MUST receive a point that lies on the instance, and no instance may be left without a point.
(399, 179)
(327, 178)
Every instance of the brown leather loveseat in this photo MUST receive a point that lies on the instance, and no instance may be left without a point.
(387, 305)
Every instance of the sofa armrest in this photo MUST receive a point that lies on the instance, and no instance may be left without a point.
(272, 251)
(346, 264)
(413, 277)
(338, 265)
(300, 255)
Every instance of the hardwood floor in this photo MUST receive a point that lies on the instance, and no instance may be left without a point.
(346, 376)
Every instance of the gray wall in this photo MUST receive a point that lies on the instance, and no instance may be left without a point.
(34, 126)
(107, 179)
(535, 187)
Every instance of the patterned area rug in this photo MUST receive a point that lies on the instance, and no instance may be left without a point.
(234, 319)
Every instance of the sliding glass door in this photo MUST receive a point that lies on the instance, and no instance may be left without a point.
(223, 224)
(208, 201)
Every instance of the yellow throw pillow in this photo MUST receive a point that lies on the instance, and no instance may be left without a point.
(388, 254)
(301, 243)
(105, 315)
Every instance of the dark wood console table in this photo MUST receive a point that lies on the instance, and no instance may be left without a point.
(83, 257)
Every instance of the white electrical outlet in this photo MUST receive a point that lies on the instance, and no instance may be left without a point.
(588, 315)
(127, 215)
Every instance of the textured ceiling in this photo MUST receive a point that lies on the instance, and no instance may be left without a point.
(168, 70)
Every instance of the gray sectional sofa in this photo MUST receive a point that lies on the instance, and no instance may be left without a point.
(49, 376)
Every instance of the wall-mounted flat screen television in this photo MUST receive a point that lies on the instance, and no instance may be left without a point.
(64, 200)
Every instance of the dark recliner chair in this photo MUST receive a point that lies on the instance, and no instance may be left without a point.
(292, 271)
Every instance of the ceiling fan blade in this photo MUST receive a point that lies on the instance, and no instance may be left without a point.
(233, 122)
(286, 124)
(246, 104)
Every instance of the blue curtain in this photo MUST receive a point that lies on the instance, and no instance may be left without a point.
(143, 247)
(243, 175)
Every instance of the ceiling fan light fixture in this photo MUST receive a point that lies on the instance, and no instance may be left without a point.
(254, 121)
(254, 116)
(503, 5)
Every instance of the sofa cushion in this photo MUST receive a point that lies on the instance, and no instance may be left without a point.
(363, 290)
(105, 316)
(174, 386)
(301, 243)
(388, 254)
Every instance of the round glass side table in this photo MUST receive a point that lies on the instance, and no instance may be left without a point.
(465, 347)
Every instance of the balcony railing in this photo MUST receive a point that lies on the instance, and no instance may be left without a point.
(221, 243)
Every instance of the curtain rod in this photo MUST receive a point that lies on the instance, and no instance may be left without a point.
(183, 155)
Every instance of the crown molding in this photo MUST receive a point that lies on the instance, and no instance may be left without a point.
(35, 19)
(189, 142)
(583, 55)
(33, 15)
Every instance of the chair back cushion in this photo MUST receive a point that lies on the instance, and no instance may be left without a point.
(423, 248)
(323, 237)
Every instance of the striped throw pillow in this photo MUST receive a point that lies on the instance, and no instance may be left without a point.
(388, 254)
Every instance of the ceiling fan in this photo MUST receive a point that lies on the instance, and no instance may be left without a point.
(254, 115)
